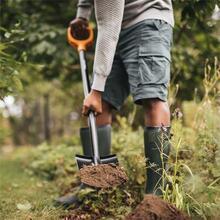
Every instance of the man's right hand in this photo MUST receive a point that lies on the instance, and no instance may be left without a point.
(79, 28)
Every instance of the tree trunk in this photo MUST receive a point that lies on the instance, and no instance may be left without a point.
(47, 134)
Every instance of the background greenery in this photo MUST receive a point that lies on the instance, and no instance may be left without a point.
(42, 74)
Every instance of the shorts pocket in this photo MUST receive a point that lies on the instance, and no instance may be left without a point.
(154, 70)
(165, 30)
(152, 48)
(156, 42)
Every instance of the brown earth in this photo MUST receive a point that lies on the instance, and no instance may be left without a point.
(103, 175)
(154, 208)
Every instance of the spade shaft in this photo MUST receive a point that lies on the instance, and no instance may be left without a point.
(91, 118)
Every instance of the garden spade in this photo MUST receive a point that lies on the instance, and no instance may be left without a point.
(94, 170)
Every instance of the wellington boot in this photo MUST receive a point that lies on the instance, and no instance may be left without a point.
(157, 148)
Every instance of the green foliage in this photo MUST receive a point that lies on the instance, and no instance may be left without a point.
(45, 42)
(194, 168)
(10, 81)
(56, 63)
(4, 134)
(195, 39)
(128, 144)
(4, 131)
(51, 162)
(106, 204)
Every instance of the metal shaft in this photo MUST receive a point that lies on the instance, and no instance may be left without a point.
(91, 118)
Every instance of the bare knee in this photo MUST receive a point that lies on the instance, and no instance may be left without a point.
(157, 112)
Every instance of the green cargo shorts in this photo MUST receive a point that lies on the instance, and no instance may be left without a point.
(141, 64)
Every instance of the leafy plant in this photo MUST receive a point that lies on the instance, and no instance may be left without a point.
(51, 162)
(9, 67)
(194, 169)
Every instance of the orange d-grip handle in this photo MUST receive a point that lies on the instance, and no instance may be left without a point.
(80, 44)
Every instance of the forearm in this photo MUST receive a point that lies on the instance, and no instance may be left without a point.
(84, 9)
(109, 14)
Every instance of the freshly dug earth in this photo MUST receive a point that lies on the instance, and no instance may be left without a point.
(103, 175)
(154, 208)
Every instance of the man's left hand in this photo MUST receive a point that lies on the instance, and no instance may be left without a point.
(93, 102)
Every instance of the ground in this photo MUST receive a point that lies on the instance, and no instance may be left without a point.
(31, 177)
(27, 196)
(24, 196)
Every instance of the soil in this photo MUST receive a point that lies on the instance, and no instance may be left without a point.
(103, 175)
(154, 208)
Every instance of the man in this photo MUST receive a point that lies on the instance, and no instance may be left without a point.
(132, 56)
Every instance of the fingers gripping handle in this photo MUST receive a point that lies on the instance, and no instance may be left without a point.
(80, 44)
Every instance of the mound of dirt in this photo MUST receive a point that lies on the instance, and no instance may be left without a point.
(154, 208)
(103, 175)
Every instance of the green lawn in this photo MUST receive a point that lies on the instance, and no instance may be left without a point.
(24, 196)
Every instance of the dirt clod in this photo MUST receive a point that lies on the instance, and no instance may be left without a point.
(154, 208)
(103, 175)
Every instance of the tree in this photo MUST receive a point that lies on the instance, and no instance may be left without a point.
(195, 40)
(9, 64)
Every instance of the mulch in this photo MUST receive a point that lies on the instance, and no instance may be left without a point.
(103, 175)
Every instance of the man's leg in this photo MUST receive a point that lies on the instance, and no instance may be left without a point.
(145, 52)
(156, 141)
(157, 113)
(103, 122)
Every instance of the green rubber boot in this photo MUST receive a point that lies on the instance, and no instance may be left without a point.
(104, 140)
(157, 148)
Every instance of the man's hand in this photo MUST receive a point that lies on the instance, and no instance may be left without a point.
(79, 28)
(93, 101)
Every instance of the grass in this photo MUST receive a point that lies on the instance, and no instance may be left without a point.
(24, 196)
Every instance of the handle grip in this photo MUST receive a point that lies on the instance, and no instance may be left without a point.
(80, 44)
